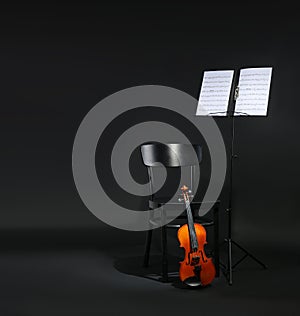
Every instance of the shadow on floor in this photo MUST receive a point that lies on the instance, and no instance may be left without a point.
(133, 265)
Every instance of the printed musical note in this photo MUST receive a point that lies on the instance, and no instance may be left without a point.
(215, 92)
(254, 86)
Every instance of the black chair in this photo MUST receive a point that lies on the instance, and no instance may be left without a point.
(176, 156)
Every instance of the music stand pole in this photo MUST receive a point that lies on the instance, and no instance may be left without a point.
(230, 242)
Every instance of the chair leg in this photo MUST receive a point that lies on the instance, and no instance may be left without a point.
(164, 254)
(147, 248)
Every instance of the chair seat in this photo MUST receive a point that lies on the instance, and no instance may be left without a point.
(181, 219)
(161, 201)
(203, 220)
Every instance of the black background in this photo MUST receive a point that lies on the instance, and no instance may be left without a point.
(57, 61)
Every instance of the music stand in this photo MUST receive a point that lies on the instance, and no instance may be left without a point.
(229, 240)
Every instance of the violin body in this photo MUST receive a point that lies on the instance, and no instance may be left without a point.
(196, 268)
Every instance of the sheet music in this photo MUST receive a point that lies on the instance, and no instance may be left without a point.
(215, 92)
(254, 87)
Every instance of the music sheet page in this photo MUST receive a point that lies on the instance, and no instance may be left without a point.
(215, 93)
(254, 87)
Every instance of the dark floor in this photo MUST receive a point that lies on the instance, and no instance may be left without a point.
(81, 274)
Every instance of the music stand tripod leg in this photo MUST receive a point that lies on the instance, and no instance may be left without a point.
(248, 254)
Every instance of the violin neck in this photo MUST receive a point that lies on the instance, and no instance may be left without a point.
(192, 232)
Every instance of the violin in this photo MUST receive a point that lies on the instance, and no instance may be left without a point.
(196, 269)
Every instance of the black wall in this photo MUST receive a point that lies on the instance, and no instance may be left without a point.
(59, 59)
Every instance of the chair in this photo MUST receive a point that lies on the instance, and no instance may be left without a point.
(176, 156)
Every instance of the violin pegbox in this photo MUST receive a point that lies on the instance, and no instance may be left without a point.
(186, 194)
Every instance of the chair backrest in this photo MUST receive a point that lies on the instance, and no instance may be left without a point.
(171, 155)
